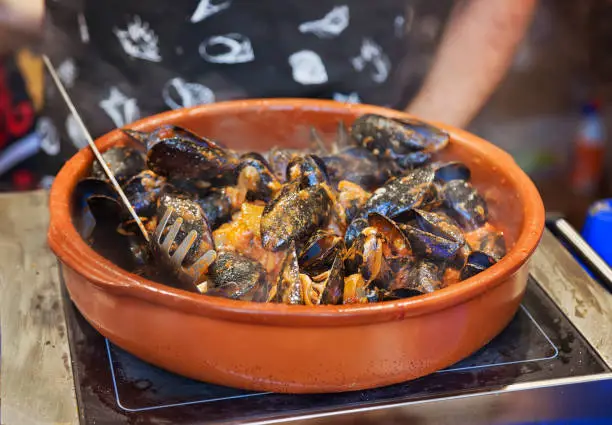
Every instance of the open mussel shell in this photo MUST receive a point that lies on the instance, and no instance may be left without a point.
(288, 287)
(319, 252)
(424, 277)
(98, 213)
(96, 201)
(255, 176)
(308, 170)
(439, 224)
(123, 161)
(428, 245)
(366, 257)
(354, 229)
(452, 170)
(279, 159)
(476, 262)
(166, 132)
(465, 204)
(395, 238)
(142, 192)
(334, 285)
(238, 277)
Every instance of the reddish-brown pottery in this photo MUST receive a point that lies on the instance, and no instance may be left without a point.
(300, 349)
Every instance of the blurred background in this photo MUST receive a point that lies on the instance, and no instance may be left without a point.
(556, 94)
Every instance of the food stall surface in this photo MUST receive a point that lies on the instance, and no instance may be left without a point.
(551, 363)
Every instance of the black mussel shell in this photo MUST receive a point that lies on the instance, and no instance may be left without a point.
(123, 161)
(365, 256)
(256, 176)
(465, 204)
(449, 171)
(175, 152)
(422, 278)
(238, 277)
(96, 201)
(353, 230)
(402, 194)
(143, 190)
(413, 159)
(319, 252)
(390, 230)
(217, 208)
(334, 287)
(393, 138)
(476, 262)
(294, 215)
(288, 286)
(386, 137)
(194, 187)
(357, 165)
(308, 170)
(436, 139)
(279, 160)
(439, 224)
(97, 212)
(428, 245)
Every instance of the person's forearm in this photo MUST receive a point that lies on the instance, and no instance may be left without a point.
(476, 50)
(20, 23)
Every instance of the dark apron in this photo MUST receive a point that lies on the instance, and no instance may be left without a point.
(125, 59)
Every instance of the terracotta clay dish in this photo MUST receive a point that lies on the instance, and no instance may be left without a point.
(300, 349)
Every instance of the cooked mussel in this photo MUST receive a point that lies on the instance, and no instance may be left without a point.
(465, 204)
(424, 277)
(294, 215)
(256, 180)
(476, 262)
(143, 190)
(395, 138)
(123, 161)
(238, 277)
(319, 252)
(177, 152)
(289, 287)
(398, 196)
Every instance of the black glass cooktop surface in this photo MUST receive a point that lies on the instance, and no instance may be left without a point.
(114, 386)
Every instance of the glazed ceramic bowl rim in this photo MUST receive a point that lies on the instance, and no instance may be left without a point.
(72, 250)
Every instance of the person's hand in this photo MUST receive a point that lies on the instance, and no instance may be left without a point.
(20, 23)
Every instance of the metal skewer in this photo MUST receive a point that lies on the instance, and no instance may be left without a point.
(92, 145)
